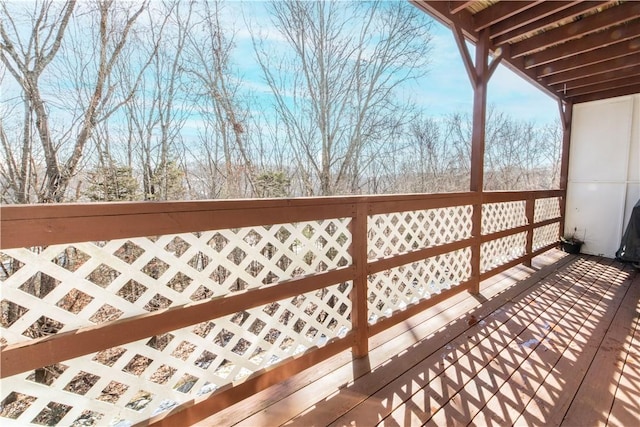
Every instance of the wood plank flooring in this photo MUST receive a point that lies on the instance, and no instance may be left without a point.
(558, 344)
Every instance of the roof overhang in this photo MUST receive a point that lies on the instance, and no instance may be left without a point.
(577, 51)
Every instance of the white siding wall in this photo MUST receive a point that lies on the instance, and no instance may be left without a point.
(604, 172)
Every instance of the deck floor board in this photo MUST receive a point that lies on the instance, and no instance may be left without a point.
(558, 344)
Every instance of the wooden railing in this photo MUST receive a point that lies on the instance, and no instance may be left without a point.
(168, 312)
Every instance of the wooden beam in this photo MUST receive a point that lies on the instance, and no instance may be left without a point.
(414, 202)
(479, 112)
(530, 210)
(590, 24)
(539, 11)
(376, 266)
(464, 53)
(31, 225)
(619, 34)
(512, 196)
(359, 292)
(610, 53)
(477, 150)
(600, 78)
(47, 231)
(601, 68)
(549, 20)
(613, 93)
(457, 6)
(603, 87)
(566, 117)
(503, 53)
(500, 12)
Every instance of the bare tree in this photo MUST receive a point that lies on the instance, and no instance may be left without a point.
(224, 134)
(519, 155)
(28, 55)
(157, 111)
(19, 170)
(334, 91)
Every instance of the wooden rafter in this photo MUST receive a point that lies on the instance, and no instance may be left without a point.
(457, 6)
(530, 16)
(558, 46)
(502, 11)
(588, 25)
(548, 21)
(586, 44)
(610, 93)
(599, 78)
(590, 58)
(604, 86)
(600, 68)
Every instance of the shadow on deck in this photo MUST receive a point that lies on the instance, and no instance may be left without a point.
(556, 344)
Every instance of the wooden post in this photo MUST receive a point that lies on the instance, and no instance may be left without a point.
(479, 75)
(566, 115)
(477, 150)
(359, 309)
(530, 208)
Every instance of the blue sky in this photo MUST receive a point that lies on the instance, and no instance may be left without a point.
(448, 89)
(444, 90)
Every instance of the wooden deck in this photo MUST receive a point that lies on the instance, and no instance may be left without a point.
(557, 344)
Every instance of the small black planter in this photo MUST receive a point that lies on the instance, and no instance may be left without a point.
(570, 246)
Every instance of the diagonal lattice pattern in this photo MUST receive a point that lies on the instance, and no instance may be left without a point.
(548, 208)
(93, 282)
(503, 216)
(133, 382)
(500, 251)
(395, 233)
(398, 287)
(545, 235)
(48, 290)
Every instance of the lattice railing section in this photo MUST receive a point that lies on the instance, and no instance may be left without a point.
(89, 283)
(547, 208)
(60, 288)
(545, 235)
(64, 287)
(503, 216)
(133, 382)
(408, 284)
(500, 251)
(395, 233)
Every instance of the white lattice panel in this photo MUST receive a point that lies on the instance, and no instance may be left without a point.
(503, 216)
(400, 232)
(65, 287)
(545, 235)
(396, 288)
(89, 283)
(548, 208)
(500, 251)
(131, 383)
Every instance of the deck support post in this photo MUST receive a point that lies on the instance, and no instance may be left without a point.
(566, 116)
(359, 309)
(479, 74)
(530, 210)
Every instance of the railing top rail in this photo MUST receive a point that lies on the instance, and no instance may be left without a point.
(32, 225)
(508, 196)
(70, 210)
